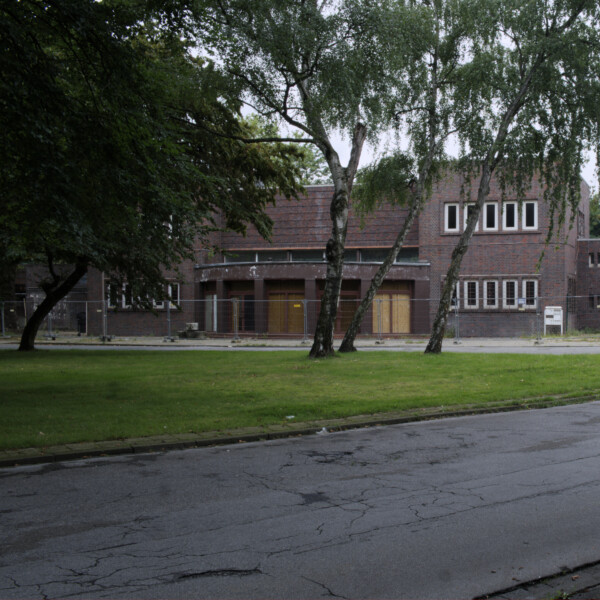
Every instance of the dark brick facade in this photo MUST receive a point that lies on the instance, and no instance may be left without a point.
(509, 274)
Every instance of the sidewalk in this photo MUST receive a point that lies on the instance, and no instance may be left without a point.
(416, 344)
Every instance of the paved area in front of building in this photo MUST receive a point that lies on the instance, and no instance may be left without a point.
(544, 345)
(488, 505)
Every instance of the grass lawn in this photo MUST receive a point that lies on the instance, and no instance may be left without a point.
(52, 397)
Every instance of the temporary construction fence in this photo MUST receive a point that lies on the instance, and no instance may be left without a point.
(391, 315)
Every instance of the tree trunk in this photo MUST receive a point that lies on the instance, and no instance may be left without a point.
(334, 252)
(53, 296)
(438, 330)
(347, 344)
(342, 179)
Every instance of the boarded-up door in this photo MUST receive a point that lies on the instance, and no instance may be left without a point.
(295, 313)
(391, 313)
(286, 313)
(276, 313)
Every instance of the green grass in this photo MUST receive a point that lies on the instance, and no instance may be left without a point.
(52, 397)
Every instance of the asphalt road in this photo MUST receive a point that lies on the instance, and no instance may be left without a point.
(453, 508)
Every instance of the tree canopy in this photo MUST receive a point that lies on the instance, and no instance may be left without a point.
(118, 146)
(319, 67)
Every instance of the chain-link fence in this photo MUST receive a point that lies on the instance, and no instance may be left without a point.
(291, 316)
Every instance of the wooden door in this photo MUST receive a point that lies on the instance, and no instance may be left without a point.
(276, 313)
(295, 308)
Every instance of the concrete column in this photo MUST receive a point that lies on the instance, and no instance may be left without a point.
(421, 307)
(222, 312)
(260, 306)
(312, 305)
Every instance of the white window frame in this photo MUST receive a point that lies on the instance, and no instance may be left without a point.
(591, 259)
(535, 215)
(108, 295)
(457, 290)
(121, 293)
(466, 304)
(494, 205)
(485, 293)
(446, 210)
(504, 296)
(535, 295)
(466, 215)
(170, 286)
(505, 227)
(126, 292)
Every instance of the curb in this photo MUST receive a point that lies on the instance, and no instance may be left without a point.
(35, 456)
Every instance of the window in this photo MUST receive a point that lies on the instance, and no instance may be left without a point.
(530, 292)
(173, 294)
(591, 302)
(530, 216)
(490, 216)
(351, 255)
(509, 216)
(119, 296)
(113, 295)
(273, 256)
(591, 256)
(451, 217)
(469, 208)
(510, 294)
(307, 256)
(455, 296)
(471, 294)
(598, 261)
(376, 255)
(408, 255)
(241, 256)
(491, 294)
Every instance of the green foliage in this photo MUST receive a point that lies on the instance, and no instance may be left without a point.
(316, 65)
(118, 147)
(389, 179)
(525, 100)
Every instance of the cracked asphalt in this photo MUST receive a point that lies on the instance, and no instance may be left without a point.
(453, 508)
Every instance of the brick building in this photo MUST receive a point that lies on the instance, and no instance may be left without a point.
(509, 275)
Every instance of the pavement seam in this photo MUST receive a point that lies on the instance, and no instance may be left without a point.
(74, 451)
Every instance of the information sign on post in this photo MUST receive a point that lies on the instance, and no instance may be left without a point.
(553, 316)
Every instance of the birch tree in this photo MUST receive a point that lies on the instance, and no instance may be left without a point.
(319, 67)
(525, 105)
(422, 114)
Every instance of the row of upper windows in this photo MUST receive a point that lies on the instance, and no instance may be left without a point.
(120, 296)
(485, 294)
(368, 255)
(490, 218)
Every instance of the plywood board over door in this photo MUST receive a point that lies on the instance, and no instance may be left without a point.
(286, 313)
(391, 313)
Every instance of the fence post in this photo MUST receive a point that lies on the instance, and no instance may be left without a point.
(538, 322)
(456, 324)
(169, 337)
(50, 335)
(104, 320)
(236, 305)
